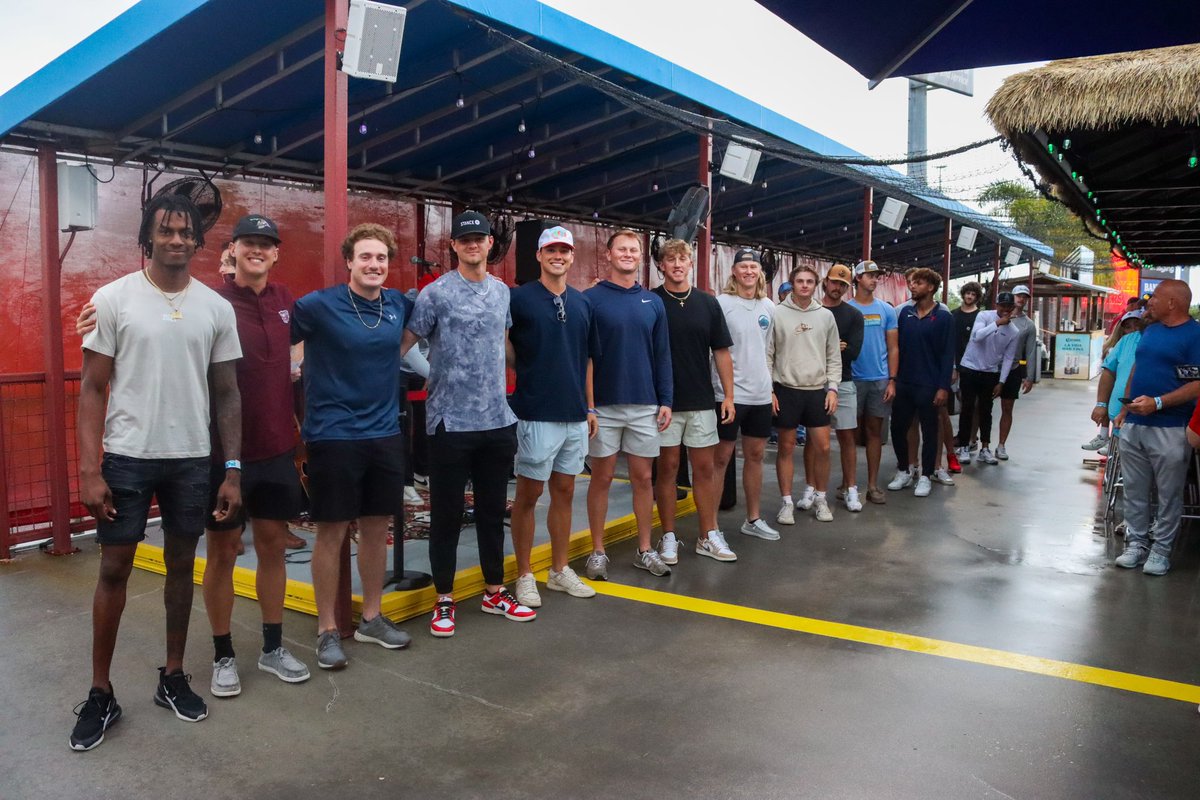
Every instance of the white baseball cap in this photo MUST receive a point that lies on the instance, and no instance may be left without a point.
(1021, 289)
(556, 235)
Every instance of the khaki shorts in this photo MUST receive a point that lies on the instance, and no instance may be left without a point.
(626, 428)
(692, 429)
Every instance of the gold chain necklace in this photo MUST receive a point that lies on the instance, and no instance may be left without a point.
(181, 295)
(354, 303)
(677, 297)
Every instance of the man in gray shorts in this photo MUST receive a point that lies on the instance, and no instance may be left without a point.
(633, 391)
(845, 419)
(874, 371)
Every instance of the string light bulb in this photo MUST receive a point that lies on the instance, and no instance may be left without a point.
(508, 198)
(519, 176)
(1066, 144)
(1193, 161)
(459, 102)
(750, 213)
(521, 126)
(258, 137)
(532, 152)
(654, 187)
(362, 129)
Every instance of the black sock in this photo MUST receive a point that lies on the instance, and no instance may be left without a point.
(223, 646)
(272, 636)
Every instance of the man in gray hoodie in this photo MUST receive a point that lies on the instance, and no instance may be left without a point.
(804, 357)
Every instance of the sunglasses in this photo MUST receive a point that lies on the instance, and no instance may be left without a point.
(561, 308)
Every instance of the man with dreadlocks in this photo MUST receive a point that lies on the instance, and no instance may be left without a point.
(160, 339)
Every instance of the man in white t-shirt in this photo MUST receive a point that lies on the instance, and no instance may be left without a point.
(160, 339)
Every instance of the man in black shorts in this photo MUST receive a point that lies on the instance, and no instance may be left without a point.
(352, 333)
(160, 339)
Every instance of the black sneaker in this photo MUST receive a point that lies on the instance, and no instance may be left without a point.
(174, 692)
(96, 715)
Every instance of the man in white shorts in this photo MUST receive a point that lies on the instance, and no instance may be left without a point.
(699, 337)
(845, 420)
(552, 340)
(632, 389)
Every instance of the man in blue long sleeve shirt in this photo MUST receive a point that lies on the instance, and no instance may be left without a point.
(982, 372)
(631, 386)
(926, 339)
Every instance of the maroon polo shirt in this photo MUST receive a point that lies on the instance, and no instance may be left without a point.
(264, 371)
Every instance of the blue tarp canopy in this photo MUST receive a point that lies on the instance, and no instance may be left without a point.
(566, 120)
(885, 38)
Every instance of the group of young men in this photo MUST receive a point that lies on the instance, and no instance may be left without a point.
(614, 369)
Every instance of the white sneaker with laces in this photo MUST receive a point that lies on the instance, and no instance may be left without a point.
(412, 497)
(786, 515)
(851, 499)
(567, 581)
(1098, 441)
(806, 500)
(713, 545)
(923, 487)
(761, 529)
(986, 457)
(821, 510)
(527, 592)
(964, 455)
(902, 480)
(1001, 453)
(943, 477)
(668, 548)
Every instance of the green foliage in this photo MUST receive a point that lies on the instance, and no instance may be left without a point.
(1047, 221)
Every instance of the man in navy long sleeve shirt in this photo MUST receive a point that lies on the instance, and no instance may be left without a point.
(927, 348)
(632, 389)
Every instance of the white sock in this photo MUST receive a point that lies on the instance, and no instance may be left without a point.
(787, 499)
(818, 495)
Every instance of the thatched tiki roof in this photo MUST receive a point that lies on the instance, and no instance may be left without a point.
(1114, 134)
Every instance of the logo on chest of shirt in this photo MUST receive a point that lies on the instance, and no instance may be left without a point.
(285, 315)
(872, 320)
(803, 327)
(764, 321)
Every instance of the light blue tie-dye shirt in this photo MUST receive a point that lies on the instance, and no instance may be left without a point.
(465, 324)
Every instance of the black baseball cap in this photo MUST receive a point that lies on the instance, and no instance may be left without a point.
(256, 225)
(468, 223)
(746, 254)
(1005, 299)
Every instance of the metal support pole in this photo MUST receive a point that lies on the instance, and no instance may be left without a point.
(868, 215)
(54, 390)
(918, 94)
(996, 275)
(336, 223)
(704, 242)
(946, 262)
(5, 529)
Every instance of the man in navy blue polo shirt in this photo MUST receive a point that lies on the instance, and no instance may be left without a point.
(552, 341)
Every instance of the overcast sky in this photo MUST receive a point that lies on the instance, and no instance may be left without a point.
(736, 43)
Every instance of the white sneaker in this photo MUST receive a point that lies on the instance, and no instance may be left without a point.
(761, 529)
(943, 477)
(1001, 453)
(225, 681)
(851, 499)
(821, 510)
(986, 457)
(668, 548)
(1098, 441)
(527, 593)
(964, 455)
(412, 497)
(567, 581)
(713, 545)
(786, 515)
(806, 500)
(923, 487)
(902, 480)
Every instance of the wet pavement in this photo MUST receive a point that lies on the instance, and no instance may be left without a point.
(643, 696)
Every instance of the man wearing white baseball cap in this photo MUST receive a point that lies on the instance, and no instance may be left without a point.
(1025, 368)
(552, 341)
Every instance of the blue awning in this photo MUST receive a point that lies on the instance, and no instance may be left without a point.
(557, 118)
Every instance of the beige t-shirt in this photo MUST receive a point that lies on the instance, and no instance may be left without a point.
(158, 399)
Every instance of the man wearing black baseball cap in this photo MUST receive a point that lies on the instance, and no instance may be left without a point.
(983, 369)
(465, 317)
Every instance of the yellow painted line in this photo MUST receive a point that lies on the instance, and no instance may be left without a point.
(1126, 681)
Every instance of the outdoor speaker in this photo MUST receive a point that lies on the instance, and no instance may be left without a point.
(892, 215)
(374, 33)
(77, 190)
(528, 231)
(966, 238)
(740, 162)
(1013, 256)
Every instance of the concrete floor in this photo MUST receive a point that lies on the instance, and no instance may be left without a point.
(615, 697)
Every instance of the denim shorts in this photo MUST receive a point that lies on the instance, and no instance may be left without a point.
(180, 484)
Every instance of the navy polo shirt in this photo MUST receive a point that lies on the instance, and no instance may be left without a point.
(552, 354)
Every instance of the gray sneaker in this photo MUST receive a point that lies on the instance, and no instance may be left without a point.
(760, 529)
(1156, 564)
(329, 650)
(652, 562)
(383, 632)
(1131, 557)
(597, 567)
(283, 665)
(225, 681)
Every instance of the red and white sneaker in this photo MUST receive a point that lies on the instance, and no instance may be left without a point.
(442, 624)
(502, 602)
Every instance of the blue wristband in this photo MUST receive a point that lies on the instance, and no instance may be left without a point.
(233, 463)
(1158, 404)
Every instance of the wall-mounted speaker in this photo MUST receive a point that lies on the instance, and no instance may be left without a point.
(892, 215)
(374, 33)
(966, 238)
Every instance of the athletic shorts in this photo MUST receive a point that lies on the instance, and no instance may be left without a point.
(870, 398)
(626, 428)
(348, 479)
(845, 418)
(180, 484)
(800, 407)
(270, 490)
(546, 447)
(691, 428)
(1012, 384)
(750, 420)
